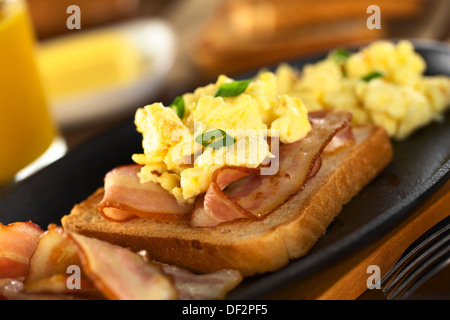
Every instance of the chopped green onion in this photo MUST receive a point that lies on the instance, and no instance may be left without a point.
(371, 76)
(215, 139)
(178, 103)
(232, 89)
(340, 55)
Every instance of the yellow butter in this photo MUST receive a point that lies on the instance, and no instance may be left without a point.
(88, 62)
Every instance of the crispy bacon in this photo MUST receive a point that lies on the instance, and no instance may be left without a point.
(18, 241)
(126, 198)
(254, 195)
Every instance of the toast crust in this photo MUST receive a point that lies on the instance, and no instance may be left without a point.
(252, 247)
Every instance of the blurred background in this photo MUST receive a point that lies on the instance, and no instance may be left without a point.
(187, 43)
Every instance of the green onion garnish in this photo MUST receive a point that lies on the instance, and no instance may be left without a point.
(232, 89)
(178, 103)
(215, 139)
(340, 55)
(371, 76)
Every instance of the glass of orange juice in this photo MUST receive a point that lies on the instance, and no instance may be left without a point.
(29, 138)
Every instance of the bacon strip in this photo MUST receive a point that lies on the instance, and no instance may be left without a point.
(125, 198)
(18, 241)
(122, 274)
(54, 254)
(12, 289)
(210, 286)
(214, 208)
(107, 271)
(343, 138)
(255, 196)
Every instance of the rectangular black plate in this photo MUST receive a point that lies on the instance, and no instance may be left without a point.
(421, 164)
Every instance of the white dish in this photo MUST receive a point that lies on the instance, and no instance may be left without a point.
(155, 40)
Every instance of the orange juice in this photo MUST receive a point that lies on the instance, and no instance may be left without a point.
(26, 127)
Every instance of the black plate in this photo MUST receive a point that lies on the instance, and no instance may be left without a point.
(421, 164)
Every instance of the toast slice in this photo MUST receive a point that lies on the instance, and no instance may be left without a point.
(252, 247)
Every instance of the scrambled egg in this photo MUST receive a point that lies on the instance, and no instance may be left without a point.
(400, 98)
(173, 158)
(383, 84)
